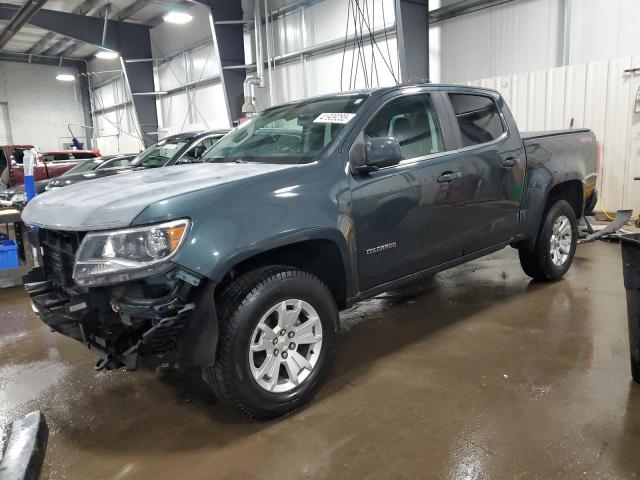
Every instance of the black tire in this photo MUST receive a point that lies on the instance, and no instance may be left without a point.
(538, 262)
(241, 305)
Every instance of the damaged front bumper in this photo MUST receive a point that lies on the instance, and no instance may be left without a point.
(122, 322)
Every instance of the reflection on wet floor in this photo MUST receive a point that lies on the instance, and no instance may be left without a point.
(476, 372)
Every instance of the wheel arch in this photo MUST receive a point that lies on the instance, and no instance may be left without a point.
(540, 199)
(322, 253)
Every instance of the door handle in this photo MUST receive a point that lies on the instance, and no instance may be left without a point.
(510, 162)
(448, 177)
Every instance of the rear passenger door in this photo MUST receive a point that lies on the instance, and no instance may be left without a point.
(406, 215)
(493, 170)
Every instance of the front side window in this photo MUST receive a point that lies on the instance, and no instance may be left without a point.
(412, 121)
(478, 118)
(158, 155)
(290, 134)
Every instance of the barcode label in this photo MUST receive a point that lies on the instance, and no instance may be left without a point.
(334, 118)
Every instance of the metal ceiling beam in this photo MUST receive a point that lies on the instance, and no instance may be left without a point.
(64, 46)
(121, 16)
(21, 16)
(85, 8)
(462, 8)
(121, 36)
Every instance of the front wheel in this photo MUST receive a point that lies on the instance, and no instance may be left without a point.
(555, 246)
(277, 342)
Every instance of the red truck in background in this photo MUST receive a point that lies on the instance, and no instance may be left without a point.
(48, 164)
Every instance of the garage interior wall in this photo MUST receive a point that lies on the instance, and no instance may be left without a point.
(569, 73)
(38, 107)
(114, 120)
(304, 74)
(189, 72)
(527, 35)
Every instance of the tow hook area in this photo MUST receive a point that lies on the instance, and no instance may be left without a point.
(163, 330)
(124, 321)
(160, 321)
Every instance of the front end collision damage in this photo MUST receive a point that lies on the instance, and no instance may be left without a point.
(125, 321)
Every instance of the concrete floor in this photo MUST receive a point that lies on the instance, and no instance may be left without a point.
(475, 373)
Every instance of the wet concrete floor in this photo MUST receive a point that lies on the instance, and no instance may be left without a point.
(475, 373)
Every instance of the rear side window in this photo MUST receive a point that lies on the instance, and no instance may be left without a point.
(83, 155)
(478, 118)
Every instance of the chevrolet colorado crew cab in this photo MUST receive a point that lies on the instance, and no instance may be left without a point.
(241, 263)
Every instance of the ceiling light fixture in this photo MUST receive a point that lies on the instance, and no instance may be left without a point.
(107, 55)
(65, 77)
(177, 17)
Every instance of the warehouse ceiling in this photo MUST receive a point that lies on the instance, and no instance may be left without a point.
(34, 40)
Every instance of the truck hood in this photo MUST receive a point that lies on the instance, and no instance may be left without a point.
(66, 180)
(115, 201)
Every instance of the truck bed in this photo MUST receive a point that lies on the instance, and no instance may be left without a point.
(550, 133)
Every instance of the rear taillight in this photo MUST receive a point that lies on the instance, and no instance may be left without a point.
(598, 158)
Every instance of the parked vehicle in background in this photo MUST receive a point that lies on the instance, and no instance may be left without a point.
(183, 148)
(64, 155)
(48, 164)
(242, 262)
(10, 154)
(92, 169)
(110, 164)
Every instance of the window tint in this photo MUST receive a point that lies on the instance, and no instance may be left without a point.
(412, 121)
(51, 157)
(83, 155)
(478, 118)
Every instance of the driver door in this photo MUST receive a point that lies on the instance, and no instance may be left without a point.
(407, 215)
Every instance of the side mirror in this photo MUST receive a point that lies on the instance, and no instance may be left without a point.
(382, 152)
(187, 159)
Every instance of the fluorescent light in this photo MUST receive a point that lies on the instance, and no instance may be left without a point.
(107, 55)
(65, 77)
(177, 17)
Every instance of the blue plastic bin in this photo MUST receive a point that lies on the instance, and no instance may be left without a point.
(8, 255)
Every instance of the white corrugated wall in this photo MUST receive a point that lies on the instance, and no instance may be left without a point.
(599, 96)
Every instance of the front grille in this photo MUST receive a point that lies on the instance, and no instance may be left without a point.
(58, 255)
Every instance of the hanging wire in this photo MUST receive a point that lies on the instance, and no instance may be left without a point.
(344, 49)
(195, 91)
(386, 41)
(375, 43)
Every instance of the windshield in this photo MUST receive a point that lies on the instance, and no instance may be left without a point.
(289, 134)
(82, 167)
(159, 154)
(118, 162)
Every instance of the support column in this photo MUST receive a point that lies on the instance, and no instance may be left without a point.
(412, 25)
(227, 30)
(83, 85)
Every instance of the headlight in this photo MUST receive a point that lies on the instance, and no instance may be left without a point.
(19, 198)
(123, 255)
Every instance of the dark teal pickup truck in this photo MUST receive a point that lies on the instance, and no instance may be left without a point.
(242, 262)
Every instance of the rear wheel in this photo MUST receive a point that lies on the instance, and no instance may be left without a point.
(277, 342)
(555, 245)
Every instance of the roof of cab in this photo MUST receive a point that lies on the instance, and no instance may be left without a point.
(384, 90)
(196, 134)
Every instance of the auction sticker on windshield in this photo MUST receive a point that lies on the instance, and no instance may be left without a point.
(334, 118)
